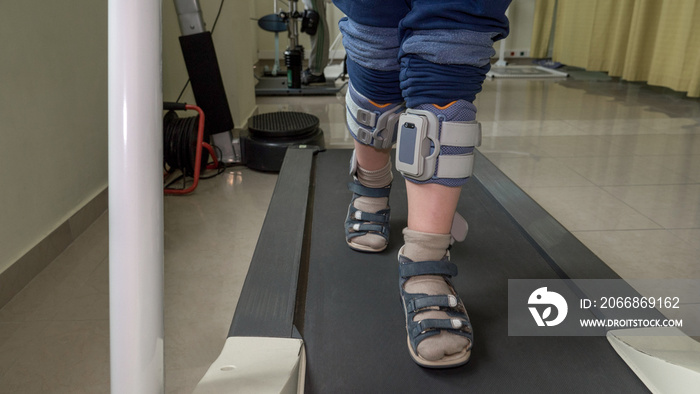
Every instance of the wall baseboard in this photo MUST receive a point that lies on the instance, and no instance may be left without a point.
(19, 274)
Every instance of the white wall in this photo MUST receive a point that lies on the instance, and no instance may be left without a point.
(521, 15)
(53, 104)
(53, 116)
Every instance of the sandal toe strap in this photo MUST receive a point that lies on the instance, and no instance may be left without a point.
(362, 228)
(453, 324)
(360, 216)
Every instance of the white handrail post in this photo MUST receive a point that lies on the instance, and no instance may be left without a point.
(135, 196)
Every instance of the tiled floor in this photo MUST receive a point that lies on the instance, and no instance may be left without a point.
(617, 163)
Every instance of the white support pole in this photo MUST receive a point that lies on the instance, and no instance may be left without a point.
(135, 197)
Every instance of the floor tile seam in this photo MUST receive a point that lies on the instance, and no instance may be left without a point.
(685, 242)
(62, 320)
(668, 139)
(561, 162)
(11, 320)
(604, 188)
(5, 373)
(683, 228)
(651, 131)
(592, 156)
(618, 155)
(592, 186)
(595, 155)
(621, 230)
(679, 185)
(589, 187)
(642, 228)
(676, 170)
(556, 217)
(662, 229)
(97, 266)
(668, 231)
(690, 182)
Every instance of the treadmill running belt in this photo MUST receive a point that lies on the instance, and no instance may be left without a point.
(353, 324)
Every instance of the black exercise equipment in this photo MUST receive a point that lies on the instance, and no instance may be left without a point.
(270, 134)
(205, 76)
(262, 147)
(305, 282)
(290, 84)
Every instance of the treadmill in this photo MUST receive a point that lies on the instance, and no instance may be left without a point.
(341, 312)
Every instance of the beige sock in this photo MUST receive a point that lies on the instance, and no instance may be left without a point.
(421, 246)
(375, 179)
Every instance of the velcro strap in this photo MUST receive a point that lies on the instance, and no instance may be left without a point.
(362, 134)
(369, 191)
(361, 227)
(421, 302)
(464, 134)
(363, 116)
(455, 166)
(369, 217)
(381, 136)
(413, 268)
(440, 324)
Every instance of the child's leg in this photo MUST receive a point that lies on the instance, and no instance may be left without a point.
(445, 51)
(374, 104)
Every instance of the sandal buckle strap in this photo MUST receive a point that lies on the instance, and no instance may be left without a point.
(416, 268)
(440, 324)
(365, 191)
(370, 217)
(422, 302)
(360, 227)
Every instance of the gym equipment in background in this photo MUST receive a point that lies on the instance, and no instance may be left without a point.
(273, 84)
(263, 145)
(269, 136)
(205, 76)
(501, 69)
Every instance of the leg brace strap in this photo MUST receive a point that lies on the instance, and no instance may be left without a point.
(372, 127)
(421, 138)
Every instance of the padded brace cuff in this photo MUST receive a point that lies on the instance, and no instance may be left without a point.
(419, 154)
(371, 126)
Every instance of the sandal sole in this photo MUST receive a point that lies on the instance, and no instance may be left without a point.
(363, 248)
(452, 361)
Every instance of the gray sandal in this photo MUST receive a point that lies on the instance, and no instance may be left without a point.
(413, 304)
(358, 223)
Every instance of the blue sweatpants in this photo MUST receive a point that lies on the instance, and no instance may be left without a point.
(420, 51)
